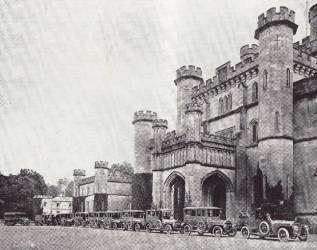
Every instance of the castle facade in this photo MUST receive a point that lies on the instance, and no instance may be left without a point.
(107, 189)
(244, 137)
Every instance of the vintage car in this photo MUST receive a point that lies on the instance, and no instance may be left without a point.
(66, 219)
(262, 224)
(92, 220)
(207, 220)
(14, 218)
(133, 220)
(80, 218)
(112, 220)
(161, 220)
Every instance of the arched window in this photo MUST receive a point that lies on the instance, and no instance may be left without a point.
(254, 129)
(288, 78)
(277, 122)
(225, 104)
(254, 92)
(230, 102)
(264, 80)
(220, 106)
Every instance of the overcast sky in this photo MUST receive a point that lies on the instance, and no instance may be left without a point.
(73, 72)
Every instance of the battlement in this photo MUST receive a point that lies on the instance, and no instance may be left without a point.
(305, 59)
(304, 44)
(248, 50)
(160, 123)
(101, 164)
(190, 71)
(79, 172)
(145, 116)
(272, 17)
(217, 139)
(193, 107)
(172, 139)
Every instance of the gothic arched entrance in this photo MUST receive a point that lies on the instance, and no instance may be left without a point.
(215, 187)
(175, 199)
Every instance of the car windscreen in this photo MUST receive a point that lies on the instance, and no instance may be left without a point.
(137, 215)
(167, 215)
(116, 215)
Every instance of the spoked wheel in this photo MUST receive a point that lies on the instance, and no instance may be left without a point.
(187, 230)
(245, 232)
(264, 228)
(168, 228)
(137, 227)
(115, 226)
(304, 235)
(283, 234)
(148, 228)
(217, 231)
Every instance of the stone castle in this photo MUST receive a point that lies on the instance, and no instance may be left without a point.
(244, 137)
(107, 189)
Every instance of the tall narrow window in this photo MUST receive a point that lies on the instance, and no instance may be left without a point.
(255, 133)
(254, 129)
(230, 102)
(225, 104)
(264, 80)
(254, 92)
(277, 122)
(220, 106)
(288, 78)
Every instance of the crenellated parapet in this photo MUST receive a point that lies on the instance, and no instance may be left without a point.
(304, 64)
(272, 17)
(194, 107)
(173, 139)
(248, 51)
(101, 164)
(241, 72)
(79, 172)
(190, 71)
(212, 138)
(160, 123)
(147, 116)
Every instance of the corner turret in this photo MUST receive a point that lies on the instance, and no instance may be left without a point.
(313, 29)
(159, 133)
(186, 79)
(285, 17)
(78, 175)
(248, 51)
(193, 113)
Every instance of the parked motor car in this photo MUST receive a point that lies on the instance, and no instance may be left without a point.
(66, 219)
(261, 223)
(161, 220)
(207, 220)
(79, 218)
(14, 218)
(92, 220)
(112, 220)
(133, 220)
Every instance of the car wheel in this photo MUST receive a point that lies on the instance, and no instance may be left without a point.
(304, 235)
(187, 230)
(264, 228)
(148, 228)
(137, 227)
(217, 231)
(168, 228)
(115, 226)
(201, 228)
(283, 234)
(245, 232)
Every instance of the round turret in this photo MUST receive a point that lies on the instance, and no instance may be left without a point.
(143, 132)
(275, 127)
(313, 29)
(78, 175)
(186, 79)
(193, 113)
(101, 164)
(248, 51)
(159, 133)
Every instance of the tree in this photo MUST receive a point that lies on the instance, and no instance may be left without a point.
(52, 190)
(69, 189)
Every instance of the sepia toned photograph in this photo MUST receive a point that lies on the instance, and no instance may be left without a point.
(151, 124)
